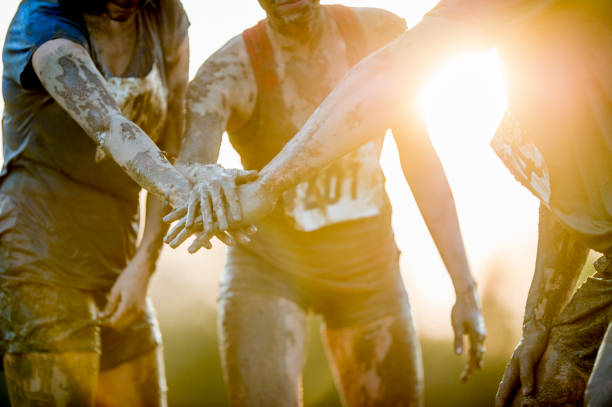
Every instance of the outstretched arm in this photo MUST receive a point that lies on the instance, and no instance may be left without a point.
(127, 300)
(68, 73)
(373, 96)
(221, 96)
(425, 175)
(559, 261)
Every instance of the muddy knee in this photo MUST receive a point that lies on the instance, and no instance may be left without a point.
(378, 364)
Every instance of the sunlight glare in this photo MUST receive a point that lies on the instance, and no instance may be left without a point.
(464, 100)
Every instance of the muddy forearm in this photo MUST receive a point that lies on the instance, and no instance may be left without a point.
(71, 78)
(356, 111)
(559, 261)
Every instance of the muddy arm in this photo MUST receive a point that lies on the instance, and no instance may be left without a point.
(222, 94)
(424, 173)
(370, 98)
(559, 261)
(69, 75)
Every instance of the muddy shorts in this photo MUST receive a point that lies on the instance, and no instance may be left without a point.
(246, 272)
(579, 329)
(44, 318)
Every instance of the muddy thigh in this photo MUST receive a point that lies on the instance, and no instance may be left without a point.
(52, 379)
(140, 382)
(262, 341)
(378, 364)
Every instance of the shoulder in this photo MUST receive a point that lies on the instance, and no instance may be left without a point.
(228, 71)
(232, 55)
(35, 23)
(229, 67)
(379, 26)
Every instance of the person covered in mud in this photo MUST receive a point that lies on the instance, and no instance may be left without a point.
(328, 247)
(556, 140)
(89, 88)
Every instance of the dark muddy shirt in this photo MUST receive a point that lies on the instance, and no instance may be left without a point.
(38, 129)
(50, 160)
(557, 138)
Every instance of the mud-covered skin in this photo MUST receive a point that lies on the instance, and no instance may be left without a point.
(378, 364)
(72, 379)
(559, 261)
(141, 382)
(45, 379)
(374, 364)
(262, 341)
(71, 78)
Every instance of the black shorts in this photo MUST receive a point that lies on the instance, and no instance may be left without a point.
(37, 318)
(339, 306)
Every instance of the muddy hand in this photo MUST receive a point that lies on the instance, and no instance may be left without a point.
(521, 369)
(467, 319)
(214, 192)
(127, 299)
(180, 232)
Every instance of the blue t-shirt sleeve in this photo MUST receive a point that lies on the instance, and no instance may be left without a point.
(35, 23)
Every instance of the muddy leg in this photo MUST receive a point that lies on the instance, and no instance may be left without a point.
(141, 382)
(52, 379)
(378, 364)
(599, 387)
(262, 344)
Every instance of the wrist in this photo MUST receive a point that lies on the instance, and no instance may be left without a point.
(142, 265)
(177, 194)
(466, 289)
(531, 323)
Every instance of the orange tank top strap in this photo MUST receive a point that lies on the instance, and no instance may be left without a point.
(260, 51)
(351, 31)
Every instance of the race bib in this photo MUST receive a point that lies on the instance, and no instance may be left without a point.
(351, 188)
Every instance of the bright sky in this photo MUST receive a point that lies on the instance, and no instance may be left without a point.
(463, 103)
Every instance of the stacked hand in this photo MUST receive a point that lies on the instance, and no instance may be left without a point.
(222, 203)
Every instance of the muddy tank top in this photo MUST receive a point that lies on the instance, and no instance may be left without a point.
(337, 223)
